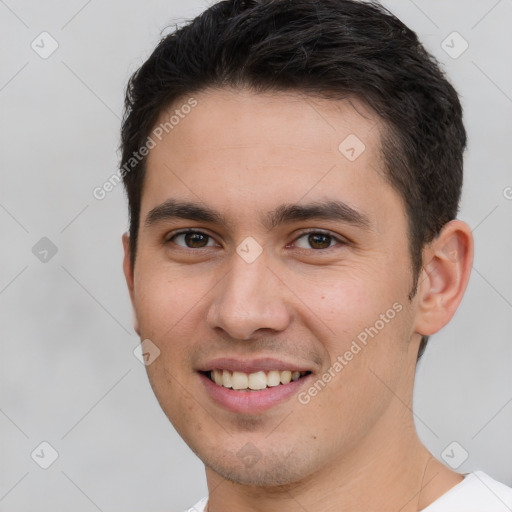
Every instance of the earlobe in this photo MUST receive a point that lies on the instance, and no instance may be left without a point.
(127, 263)
(449, 259)
(128, 271)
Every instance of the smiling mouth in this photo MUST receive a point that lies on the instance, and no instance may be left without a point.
(257, 381)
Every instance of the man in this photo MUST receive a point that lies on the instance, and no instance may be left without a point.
(293, 171)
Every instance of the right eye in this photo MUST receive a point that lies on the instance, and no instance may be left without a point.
(192, 239)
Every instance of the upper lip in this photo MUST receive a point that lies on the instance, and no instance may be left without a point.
(251, 365)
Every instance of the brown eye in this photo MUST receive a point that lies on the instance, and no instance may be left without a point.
(319, 241)
(192, 240)
(316, 240)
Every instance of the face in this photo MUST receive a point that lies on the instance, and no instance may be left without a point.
(271, 247)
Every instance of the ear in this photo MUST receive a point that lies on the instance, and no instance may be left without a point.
(445, 275)
(128, 270)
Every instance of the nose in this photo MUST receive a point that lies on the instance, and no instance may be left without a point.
(249, 298)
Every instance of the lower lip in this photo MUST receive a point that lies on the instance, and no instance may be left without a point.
(251, 402)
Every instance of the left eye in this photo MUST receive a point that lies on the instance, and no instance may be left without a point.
(193, 240)
(316, 240)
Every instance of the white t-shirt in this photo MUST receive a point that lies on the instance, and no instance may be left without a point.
(478, 492)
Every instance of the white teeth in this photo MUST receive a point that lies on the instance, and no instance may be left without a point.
(255, 381)
(226, 379)
(217, 377)
(286, 377)
(273, 378)
(239, 380)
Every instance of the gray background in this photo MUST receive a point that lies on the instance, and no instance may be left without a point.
(68, 373)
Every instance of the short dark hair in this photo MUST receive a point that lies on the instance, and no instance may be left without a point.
(325, 48)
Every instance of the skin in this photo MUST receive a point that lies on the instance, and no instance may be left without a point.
(244, 154)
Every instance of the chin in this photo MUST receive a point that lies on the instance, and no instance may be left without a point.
(270, 470)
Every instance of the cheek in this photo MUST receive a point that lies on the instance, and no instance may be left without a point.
(164, 301)
(364, 327)
(346, 302)
(165, 307)
(176, 399)
(367, 362)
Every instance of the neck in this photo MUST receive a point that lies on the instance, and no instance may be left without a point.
(383, 473)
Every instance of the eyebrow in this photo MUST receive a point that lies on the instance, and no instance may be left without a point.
(285, 213)
(328, 210)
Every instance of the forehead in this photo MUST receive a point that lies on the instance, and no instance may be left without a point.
(227, 117)
(247, 150)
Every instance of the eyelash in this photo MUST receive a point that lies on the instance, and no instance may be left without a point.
(338, 239)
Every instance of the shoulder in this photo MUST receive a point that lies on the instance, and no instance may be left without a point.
(477, 492)
(199, 506)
